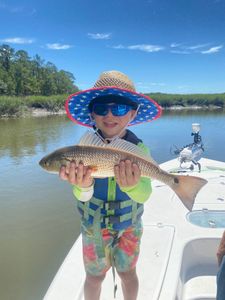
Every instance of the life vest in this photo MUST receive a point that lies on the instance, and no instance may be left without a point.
(109, 206)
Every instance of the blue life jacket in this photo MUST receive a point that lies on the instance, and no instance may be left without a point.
(109, 206)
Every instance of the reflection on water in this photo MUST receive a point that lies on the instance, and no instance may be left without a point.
(22, 136)
(28, 136)
(195, 112)
(38, 219)
(174, 128)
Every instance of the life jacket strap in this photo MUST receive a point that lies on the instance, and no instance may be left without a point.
(94, 209)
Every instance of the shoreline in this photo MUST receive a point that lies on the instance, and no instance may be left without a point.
(36, 112)
(41, 112)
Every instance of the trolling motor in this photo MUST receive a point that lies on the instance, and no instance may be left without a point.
(191, 152)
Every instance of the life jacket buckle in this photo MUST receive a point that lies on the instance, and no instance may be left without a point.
(111, 220)
(111, 205)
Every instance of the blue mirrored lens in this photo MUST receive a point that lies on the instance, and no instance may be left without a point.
(118, 110)
(100, 109)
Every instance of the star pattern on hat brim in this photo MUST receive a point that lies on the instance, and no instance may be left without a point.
(77, 105)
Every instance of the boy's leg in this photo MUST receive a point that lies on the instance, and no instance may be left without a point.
(95, 266)
(126, 252)
(129, 282)
(92, 287)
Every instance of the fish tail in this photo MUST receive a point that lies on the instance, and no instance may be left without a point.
(186, 188)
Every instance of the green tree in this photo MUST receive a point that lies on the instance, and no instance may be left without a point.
(21, 75)
(6, 56)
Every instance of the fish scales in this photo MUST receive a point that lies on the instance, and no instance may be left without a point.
(103, 159)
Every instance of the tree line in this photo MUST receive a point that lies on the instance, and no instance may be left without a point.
(189, 100)
(21, 75)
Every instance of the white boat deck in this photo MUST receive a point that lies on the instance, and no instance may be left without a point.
(177, 259)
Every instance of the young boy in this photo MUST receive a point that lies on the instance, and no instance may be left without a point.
(111, 208)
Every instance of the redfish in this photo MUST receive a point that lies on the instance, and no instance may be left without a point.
(102, 158)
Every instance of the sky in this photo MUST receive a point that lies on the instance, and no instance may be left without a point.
(167, 46)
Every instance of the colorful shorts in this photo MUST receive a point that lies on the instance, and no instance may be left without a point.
(120, 246)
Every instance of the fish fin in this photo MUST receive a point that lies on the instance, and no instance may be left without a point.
(186, 188)
(122, 145)
(91, 139)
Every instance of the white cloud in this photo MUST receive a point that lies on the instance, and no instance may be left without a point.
(118, 47)
(100, 36)
(212, 50)
(17, 9)
(141, 47)
(18, 40)
(182, 46)
(176, 48)
(180, 52)
(57, 46)
(175, 45)
(10, 8)
(146, 48)
(148, 84)
(197, 46)
(183, 87)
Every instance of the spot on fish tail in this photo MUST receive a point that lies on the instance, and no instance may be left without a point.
(176, 180)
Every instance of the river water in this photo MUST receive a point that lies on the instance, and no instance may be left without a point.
(38, 218)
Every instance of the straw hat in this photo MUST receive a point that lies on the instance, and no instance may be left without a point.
(111, 83)
(115, 78)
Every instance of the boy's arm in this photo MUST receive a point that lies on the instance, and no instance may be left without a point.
(139, 193)
(143, 189)
(80, 177)
(83, 194)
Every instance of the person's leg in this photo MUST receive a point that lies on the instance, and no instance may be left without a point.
(95, 265)
(92, 287)
(221, 281)
(129, 282)
(126, 252)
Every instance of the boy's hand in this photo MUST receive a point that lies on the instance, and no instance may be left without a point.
(76, 174)
(127, 174)
(221, 250)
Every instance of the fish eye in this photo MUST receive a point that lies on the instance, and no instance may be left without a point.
(47, 164)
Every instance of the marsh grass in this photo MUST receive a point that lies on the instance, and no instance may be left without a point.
(17, 106)
(202, 100)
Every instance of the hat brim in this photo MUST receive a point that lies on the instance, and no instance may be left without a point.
(77, 105)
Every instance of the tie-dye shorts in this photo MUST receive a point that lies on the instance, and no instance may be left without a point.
(123, 246)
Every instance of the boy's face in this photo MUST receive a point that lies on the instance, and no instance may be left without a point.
(111, 125)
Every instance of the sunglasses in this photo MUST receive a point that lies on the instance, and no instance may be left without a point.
(117, 110)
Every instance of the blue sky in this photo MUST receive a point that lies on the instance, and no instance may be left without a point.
(171, 46)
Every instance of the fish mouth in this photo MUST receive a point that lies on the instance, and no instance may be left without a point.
(42, 162)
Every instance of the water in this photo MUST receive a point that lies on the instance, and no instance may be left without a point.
(207, 218)
(38, 218)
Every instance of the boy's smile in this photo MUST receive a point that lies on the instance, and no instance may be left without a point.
(111, 125)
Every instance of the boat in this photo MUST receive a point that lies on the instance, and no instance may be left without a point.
(178, 249)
